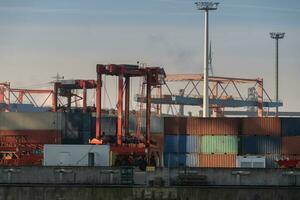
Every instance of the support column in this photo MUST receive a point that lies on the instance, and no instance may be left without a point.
(159, 95)
(127, 99)
(120, 109)
(54, 98)
(260, 92)
(84, 108)
(98, 106)
(148, 111)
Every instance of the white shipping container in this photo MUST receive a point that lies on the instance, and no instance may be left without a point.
(76, 155)
(251, 161)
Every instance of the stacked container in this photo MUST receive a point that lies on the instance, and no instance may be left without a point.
(261, 137)
(201, 142)
(219, 140)
(180, 148)
(290, 130)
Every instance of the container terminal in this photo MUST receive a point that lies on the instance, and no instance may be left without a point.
(235, 147)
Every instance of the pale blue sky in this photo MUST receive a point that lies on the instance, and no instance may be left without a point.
(40, 38)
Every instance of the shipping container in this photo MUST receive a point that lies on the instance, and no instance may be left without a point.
(218, 144)
(261, 126)
(76, 155)
(192, 160)
(31, 136)
(175, 125)
(260, 145)
(213, 126)
(251, 161)
(291, 145)
(182, 143)
(217, 160)
(174, 160)
(290, 126)
(32, 121)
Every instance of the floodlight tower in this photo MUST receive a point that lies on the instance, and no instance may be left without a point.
(276, 36)
(206, 6)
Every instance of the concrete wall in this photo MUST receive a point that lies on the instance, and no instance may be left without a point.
(138, 193)
(104, 175)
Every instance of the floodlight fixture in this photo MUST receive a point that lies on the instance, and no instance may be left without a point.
(277, 35)
(207, 5)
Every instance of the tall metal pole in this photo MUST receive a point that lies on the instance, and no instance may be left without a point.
(205, 85)
(276, 77)
(206, 6)
(276, 36)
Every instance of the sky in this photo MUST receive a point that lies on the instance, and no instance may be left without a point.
(40, 38)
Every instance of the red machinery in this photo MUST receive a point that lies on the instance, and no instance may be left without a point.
(64, 88)
(154, 77)
(288, 163)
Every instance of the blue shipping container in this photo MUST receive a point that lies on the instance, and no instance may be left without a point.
(290, 126)
(260, 145)
(182, 143)
(174, 160)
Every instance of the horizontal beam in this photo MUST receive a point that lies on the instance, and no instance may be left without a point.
(193, 101)
(199, 77)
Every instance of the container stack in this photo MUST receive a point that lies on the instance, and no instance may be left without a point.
(201, 142)
(180, 148)
(290, 130)
(219, 140)
(261, 137)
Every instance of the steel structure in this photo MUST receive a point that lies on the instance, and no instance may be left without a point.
(276, 36)
(10, 95)
(206, 6)
(153, 76)
(65, 88)
(220, 96)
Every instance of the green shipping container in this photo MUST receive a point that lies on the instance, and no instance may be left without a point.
(218, 144)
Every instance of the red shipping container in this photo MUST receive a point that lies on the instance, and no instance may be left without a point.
(261, 126)
(31, 136)
(291, 145)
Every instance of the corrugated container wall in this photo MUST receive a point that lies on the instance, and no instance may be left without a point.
(213, 126)
(260, 145)
(218, 144)
(291, 145)
(181, 160)
(261, 126)
(182, 143)
(290, 126)
(175, 125)
(32, 121)
(217, 160)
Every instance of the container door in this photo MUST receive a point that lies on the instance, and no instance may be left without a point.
(64, 158)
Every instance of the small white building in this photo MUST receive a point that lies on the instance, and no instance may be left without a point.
(76, 155)
(251, 161)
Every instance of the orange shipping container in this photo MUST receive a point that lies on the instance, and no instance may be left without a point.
(213, 126)
(261, 126)
(217, 160)
(291, 145)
